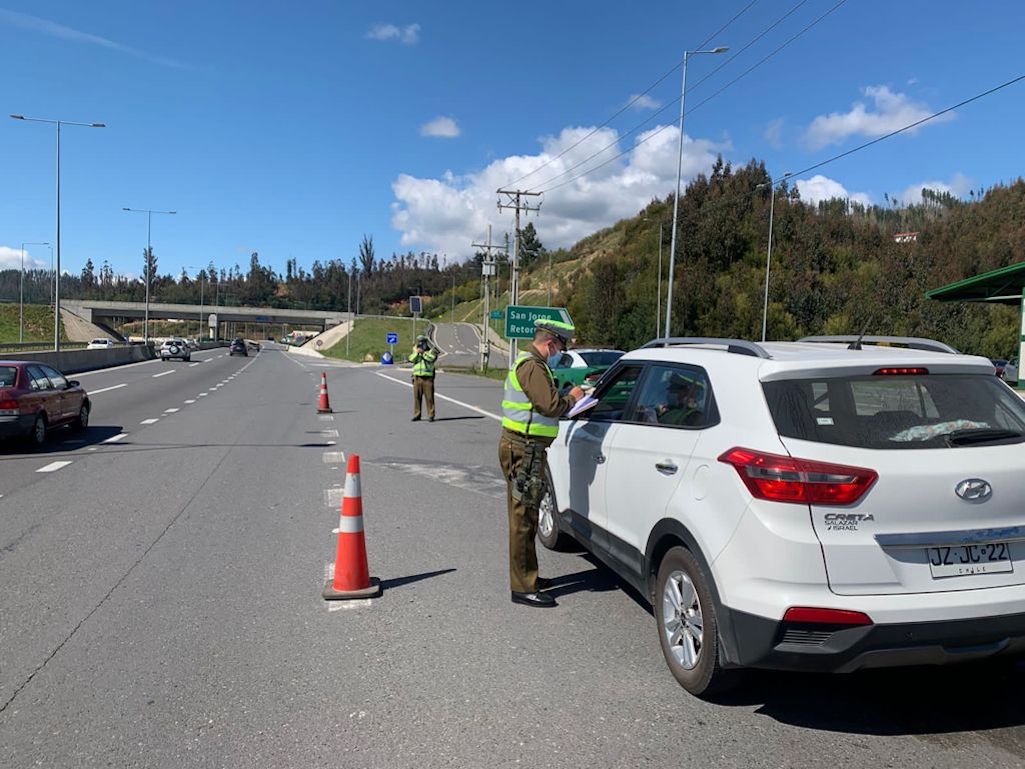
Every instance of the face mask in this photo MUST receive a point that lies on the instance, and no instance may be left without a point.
(553, 360)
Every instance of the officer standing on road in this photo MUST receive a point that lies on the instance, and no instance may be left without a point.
(531, 409)
(423, 358)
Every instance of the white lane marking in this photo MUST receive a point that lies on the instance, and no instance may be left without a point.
(106, 389)
(334, 457)
(148, 421)
(202, 395)
(496, 417)
(52, 467)
(329, 433)
(116, 438)
(171, 411)
(190, 401)
(326, 418)
(191, 365)
(165, 373)
(333, 498)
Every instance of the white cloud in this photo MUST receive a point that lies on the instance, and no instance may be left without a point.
(821, 187)
(444, 127)
(447, 214)
(890, 111)
(643, 101)
(958, 186)
(407, 35)
(10, 259)
(52, 29)
(774, 133)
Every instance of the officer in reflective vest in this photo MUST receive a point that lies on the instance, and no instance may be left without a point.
(531, 409)
(423, 358)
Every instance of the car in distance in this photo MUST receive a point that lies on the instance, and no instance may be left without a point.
(583, 366)
(1011, 372)
(238, 347)
(100, 343)
(175, 348)
(35, 398)
(802, 505)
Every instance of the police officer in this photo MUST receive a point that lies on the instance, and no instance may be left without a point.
(423, 358)
(531, 409)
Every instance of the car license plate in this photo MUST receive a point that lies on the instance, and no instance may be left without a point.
(963, 560)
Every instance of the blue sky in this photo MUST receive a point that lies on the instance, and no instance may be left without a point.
(294, 129)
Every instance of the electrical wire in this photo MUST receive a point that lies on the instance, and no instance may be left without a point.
(667, 126)
(633, 101)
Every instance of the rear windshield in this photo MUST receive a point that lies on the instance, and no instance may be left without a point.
(898, 412)
(603, 358)
(7, 376)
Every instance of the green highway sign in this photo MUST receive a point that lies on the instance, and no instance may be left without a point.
(497, 314)
(519, 319)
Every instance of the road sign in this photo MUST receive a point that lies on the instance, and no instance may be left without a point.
(415, 305)
(519, 319)
(497, 314)
(393, 337)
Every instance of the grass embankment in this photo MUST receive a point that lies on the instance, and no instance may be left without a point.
(369, 337)
(38, 323)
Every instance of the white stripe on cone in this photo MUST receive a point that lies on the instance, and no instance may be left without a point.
(352, 487)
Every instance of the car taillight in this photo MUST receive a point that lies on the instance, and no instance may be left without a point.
(9, 407)
(901, 371)
(815, 616)
(789, 479)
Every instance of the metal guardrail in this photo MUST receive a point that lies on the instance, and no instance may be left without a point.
(39, 346)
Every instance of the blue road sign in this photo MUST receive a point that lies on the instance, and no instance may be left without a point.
(393, 338)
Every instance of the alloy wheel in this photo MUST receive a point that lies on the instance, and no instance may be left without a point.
(681, 619)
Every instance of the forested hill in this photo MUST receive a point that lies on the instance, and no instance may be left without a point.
(836, 266)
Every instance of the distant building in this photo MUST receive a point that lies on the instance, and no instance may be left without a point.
(905, 237)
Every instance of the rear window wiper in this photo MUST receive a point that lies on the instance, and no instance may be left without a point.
(982, 435)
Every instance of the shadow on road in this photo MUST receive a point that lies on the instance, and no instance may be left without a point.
(454, 419)
(61, 441)
(387, 584)
(889, 702)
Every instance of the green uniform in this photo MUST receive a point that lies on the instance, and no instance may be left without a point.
(423, 381)
(530, 410)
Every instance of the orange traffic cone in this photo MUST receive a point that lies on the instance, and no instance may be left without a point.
(352, 575)
(323, 404)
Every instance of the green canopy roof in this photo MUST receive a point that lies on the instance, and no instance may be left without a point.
(1002, 286)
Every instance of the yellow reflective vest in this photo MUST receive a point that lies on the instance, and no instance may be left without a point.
(518, 412)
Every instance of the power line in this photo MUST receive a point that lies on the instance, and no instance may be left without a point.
(633, 101)
(667, 126)
(674, 101)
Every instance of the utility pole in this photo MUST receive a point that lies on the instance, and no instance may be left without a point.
(348, 310)
(487, 270)
(514, 202)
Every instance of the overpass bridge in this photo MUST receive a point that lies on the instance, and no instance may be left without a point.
(110, 314)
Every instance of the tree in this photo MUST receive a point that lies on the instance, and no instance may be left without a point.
(88, 277)
(366, 255)
(531, 249)
(149, 266)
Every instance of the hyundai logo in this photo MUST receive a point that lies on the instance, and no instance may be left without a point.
(974, 490)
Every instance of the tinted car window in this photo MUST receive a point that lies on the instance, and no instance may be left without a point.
(37, 379)
(602, 358)
(897, 412)
(615, 395)
(8, 376)
(673, 396)
(57, 379)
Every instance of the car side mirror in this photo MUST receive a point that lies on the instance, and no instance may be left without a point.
(72, 383)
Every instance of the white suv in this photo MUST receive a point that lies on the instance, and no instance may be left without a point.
(175, 348)
(811, 505)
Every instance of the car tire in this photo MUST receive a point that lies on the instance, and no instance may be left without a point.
(187, 358)
(37, 435)
(688, 627)
(548, 531)
(82, 420)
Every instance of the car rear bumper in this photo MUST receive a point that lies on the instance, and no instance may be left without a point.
(14, 426)
(767, 643)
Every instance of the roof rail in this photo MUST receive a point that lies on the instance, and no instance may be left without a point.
(738, 346)
(911, 342)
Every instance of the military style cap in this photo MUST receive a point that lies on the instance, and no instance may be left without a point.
(421, 338)
(565, 331)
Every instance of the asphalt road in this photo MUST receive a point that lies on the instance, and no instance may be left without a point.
(161, 606)
(460, 345)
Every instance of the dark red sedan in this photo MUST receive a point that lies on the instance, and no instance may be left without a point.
(35, 398)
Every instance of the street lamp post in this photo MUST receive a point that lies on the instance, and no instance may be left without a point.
(149, 259)
(57, 271)
(21, 291)
(679, 173)
(768, 255)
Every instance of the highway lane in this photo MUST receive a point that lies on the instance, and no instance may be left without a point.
(162, 608)
(460, 343)
(125, 400)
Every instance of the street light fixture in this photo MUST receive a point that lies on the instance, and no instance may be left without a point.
(57, 271)
(149, 258)
(768, 256)
(21, 291)
(679, 173)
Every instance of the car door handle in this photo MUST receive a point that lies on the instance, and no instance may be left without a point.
(666, 468)
(599, 458)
